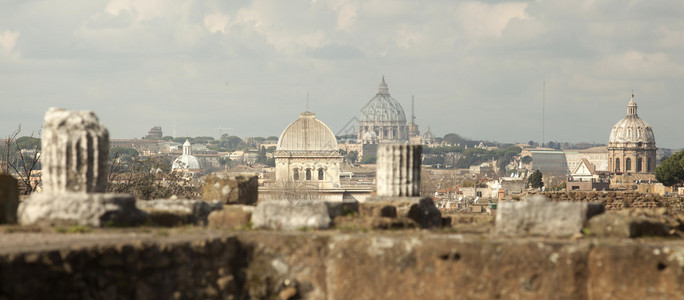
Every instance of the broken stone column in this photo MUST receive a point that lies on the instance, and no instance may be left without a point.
(398, 170)
(398, 185)
(75, 149)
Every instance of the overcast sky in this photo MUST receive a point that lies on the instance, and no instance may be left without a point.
(475, 68)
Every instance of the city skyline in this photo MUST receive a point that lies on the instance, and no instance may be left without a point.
(475, 68)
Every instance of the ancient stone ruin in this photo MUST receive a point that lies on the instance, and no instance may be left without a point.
(75, 149)
(317, 249)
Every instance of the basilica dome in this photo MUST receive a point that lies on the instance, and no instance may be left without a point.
(632, 129)
(631, 147)
(187, 161)
(307, 134)
(382, 107)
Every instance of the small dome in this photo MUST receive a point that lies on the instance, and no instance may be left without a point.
(632, 129)
(186, 162)
(307, 133)
(428, 135)
(383, 107)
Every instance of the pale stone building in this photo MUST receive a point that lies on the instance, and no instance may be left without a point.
(307, 154)
(632, 146)
(384, 117)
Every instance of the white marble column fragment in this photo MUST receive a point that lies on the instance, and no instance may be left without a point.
(75, 149)
(74, 158)
(398, 170)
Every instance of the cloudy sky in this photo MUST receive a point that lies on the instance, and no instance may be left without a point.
(476, 68)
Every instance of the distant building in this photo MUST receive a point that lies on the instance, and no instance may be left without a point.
(585, 177)
(383, 116)
(550, 162)
(307, 154)
(632, 146)
(597, 156)
(154, 134)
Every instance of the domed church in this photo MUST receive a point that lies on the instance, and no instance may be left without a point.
(632, 146)
(307, 154)
(384, 116)
(187, 162)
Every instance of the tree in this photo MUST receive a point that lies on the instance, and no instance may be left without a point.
(526, 159)
(452, 138)
(150, 178)
(21, 156)
(671, 170)
(352, 156)
(370, 159)
(536, 179)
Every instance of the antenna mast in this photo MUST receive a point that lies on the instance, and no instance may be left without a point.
(413, 115)
(307, 100)
(543, 112)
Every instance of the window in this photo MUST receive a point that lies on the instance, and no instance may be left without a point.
(296, 174)
(628, 164)
(308, 174)
(638, 165)
(617, 165)
(320, 174)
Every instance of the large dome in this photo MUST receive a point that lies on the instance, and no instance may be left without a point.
(632, 129)
(383, 107)
(307, 134)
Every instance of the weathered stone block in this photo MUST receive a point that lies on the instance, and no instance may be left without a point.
(537, 216)
(631, 223)
(94, 209)
(9, 199)
(425, 213)
(377, 209)
(421, 210)
(283, 214)
(174, 212)
(230, 188)
(231, 216)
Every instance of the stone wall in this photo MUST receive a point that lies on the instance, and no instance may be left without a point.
(615, 200)
(334, 265)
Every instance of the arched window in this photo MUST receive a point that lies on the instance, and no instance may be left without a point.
(308, 174)
(628, 164)
(648, 165)
(320, 174)
(617, 165)
(639, 164)
(295, 175)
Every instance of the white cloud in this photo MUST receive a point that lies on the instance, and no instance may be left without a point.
(217, 22)
(482, 20)
(634, 64)
(144, 10)
(8, 39)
